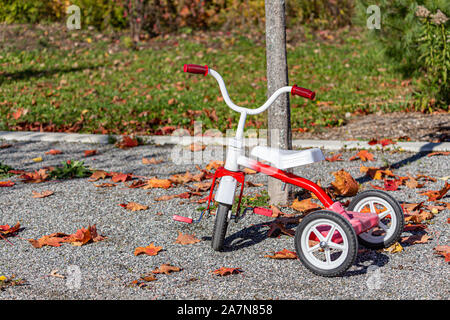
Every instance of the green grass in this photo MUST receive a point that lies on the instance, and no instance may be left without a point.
(129, 91)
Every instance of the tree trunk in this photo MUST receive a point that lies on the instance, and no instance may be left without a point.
(279, 115)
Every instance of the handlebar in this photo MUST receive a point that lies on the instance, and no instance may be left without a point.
(302, 92)
(195, 68)
(295, 90)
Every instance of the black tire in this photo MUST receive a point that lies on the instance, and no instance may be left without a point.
(348, 259)
(398, 214)
(220, 226)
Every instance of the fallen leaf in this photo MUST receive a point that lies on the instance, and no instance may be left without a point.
(127, 142)
(105, 185)
(6, 183)
(223, 271)
(54, 152)
(151, 161)
(415, 239)
(214, 164)
(54, 273)
(443, 251)
(97, 175)
(120, 177)
(336, 157)
(38, 159)
(396, 247)
(195, 147)
(150, 250)
(186, 239)
(344, 183)
(439, 153)
(133, 206)
(6, 230)
(42, 194)
(283, 254)
(364, 155)
(305, 205)
(157, 183)
(88, 153)
(35, 177)
(166, 269)
(437, 195)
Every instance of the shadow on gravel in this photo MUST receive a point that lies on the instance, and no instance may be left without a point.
(376, 258)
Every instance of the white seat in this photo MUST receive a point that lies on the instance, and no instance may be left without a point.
(284, 159)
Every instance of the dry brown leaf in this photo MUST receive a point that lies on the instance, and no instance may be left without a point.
(186, 238)
(344, 183)
(166, 269)
(133, 206)
(223, 271)
(151, 161)
(42, 194)
(305, 205)
(158, 183)
(150, 250)
(283, 254)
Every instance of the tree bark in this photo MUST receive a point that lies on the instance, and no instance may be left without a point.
(279, 114)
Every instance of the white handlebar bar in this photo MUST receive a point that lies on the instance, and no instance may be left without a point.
(226, 97)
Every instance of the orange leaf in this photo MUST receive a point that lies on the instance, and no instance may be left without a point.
(336, 157)
(150, 250)
(6, 183)
(53, 152)
(214, 164)
(167, 269)
(415, 239)
(158, 183)
(223, 271)
(88, 153)
(437, 195)
(121, 177)
(344, 183)
(133, 206)
(305, 205)
(283, 254)
(99, 174)
(128, 142)
(364, 155)
(151, 161)
(42, 194)
(186, 239)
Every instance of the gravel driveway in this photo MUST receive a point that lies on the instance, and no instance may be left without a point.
(108, 267)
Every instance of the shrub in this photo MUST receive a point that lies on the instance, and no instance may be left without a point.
(402, 39)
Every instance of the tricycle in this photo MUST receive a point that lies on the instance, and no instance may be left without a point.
(326, 241)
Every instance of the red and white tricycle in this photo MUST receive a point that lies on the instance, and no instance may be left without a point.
(326, 241)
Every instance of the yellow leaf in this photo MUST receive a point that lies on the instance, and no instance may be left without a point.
(396, 247)
(2, 278)
(38, 159)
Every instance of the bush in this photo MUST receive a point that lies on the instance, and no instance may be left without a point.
(30, 11)
(405, 39)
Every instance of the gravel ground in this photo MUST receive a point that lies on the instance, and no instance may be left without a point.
(107, 267)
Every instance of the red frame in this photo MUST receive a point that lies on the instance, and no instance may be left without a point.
(286, 177)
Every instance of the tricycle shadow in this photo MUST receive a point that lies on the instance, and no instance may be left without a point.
(257, 233)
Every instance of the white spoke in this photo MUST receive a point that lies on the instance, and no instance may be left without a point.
(328, 255)
(372, 207)
(383, 226)
(314, 248)
(384, 214)
(336, 246)
(330, 234)
(318, 234)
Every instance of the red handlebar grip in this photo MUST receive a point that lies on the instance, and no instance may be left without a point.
(195, 68)
(302, 92)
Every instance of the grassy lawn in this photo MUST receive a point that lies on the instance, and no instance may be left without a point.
(86, 82)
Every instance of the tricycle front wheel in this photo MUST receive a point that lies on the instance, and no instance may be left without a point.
(220, 226)
(326, 243)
